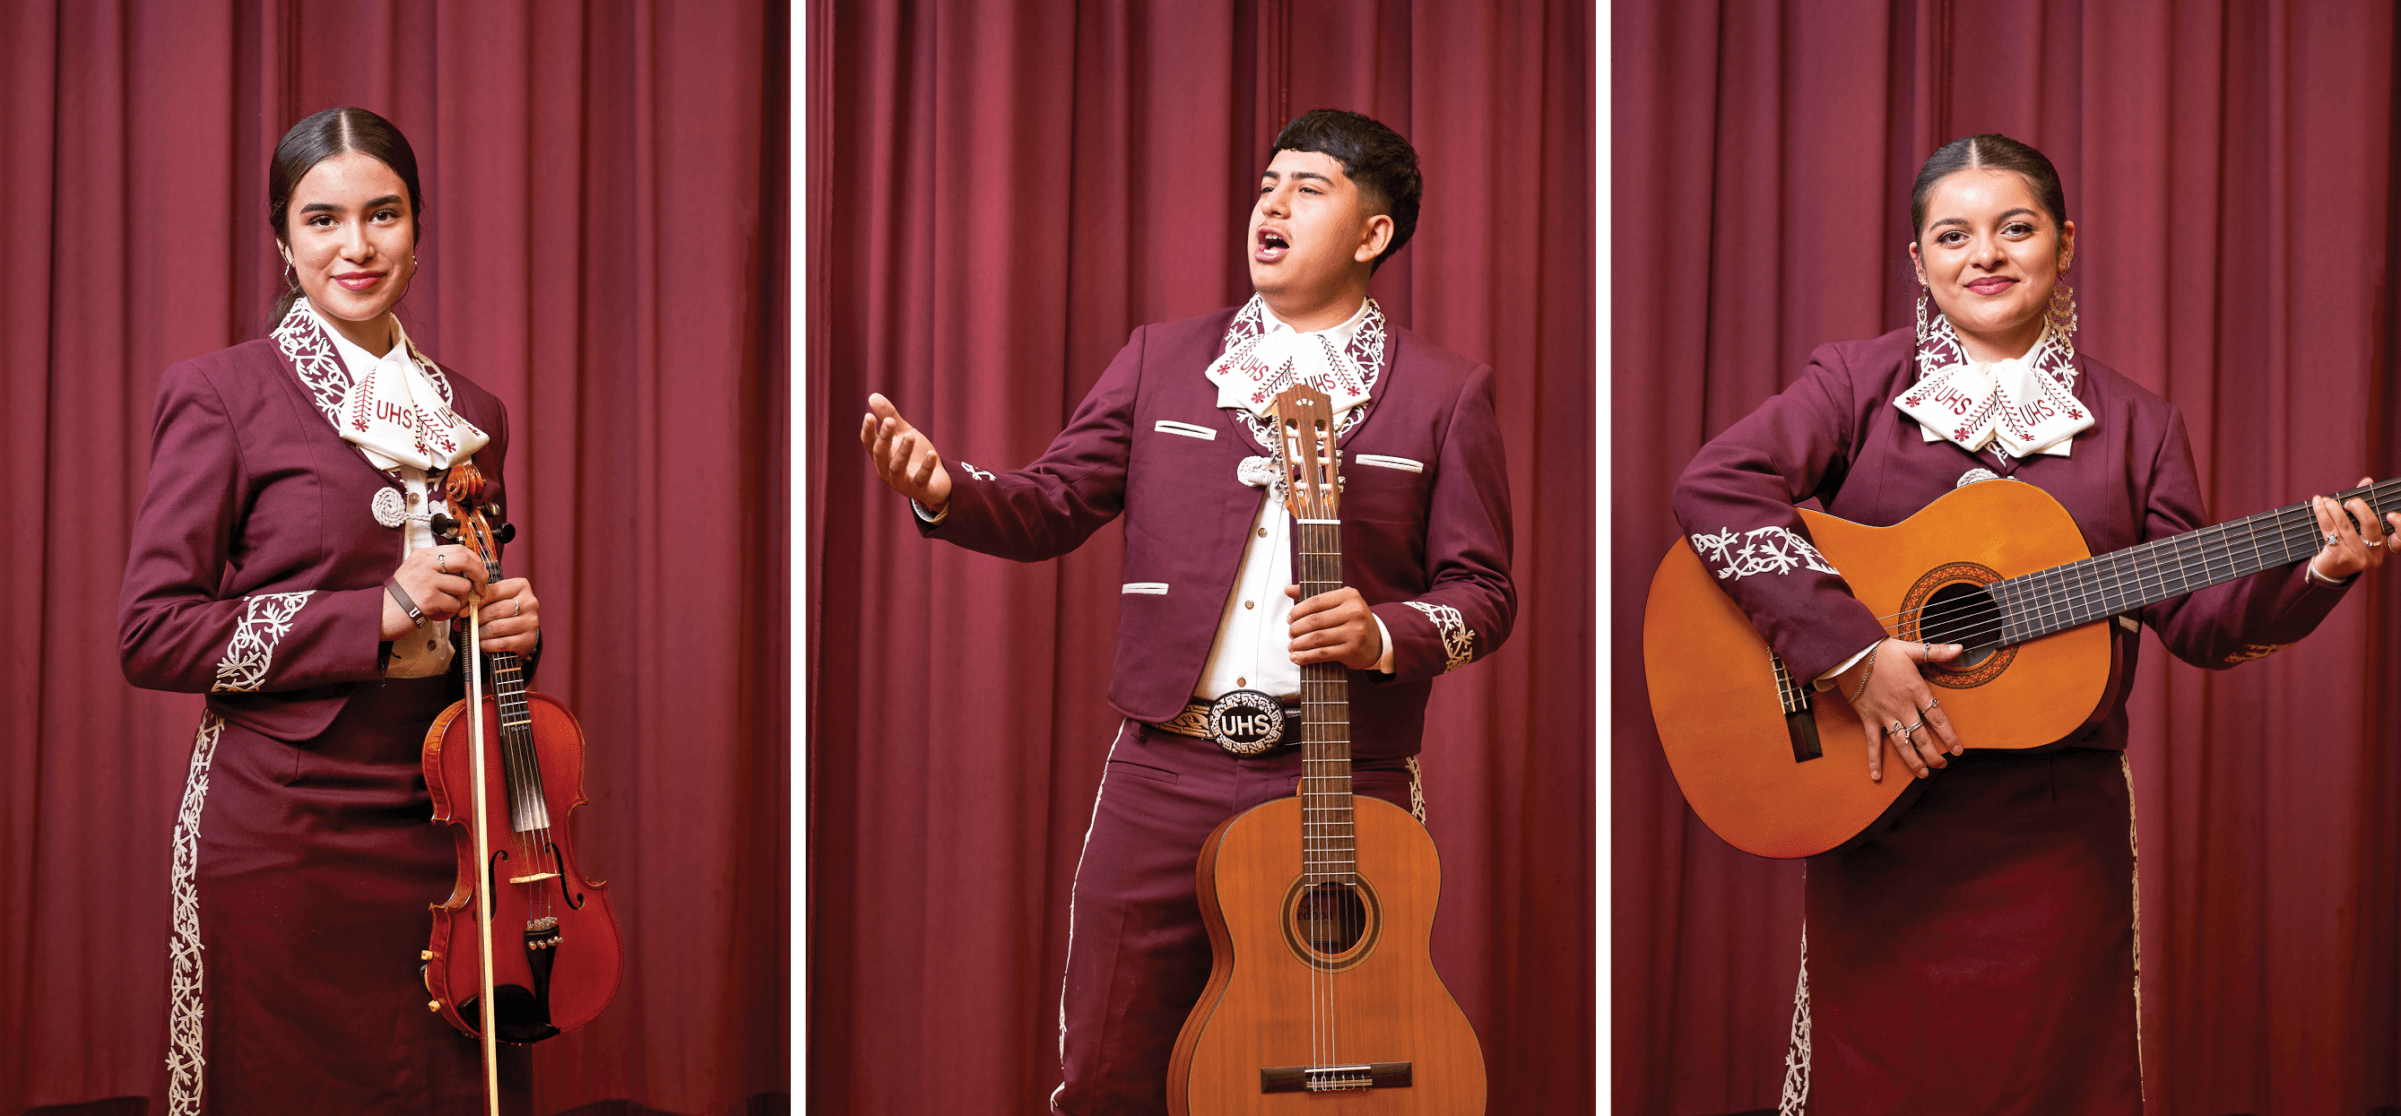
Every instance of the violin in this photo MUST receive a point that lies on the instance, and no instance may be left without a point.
(525, 946)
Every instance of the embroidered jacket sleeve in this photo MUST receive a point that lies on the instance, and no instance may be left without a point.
(1051, 506)
(1469, 603)
(2234, 622)
(1735, 503)
(173, 630)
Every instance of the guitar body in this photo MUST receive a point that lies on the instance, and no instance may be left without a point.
(1382, 996)
(1714, 692)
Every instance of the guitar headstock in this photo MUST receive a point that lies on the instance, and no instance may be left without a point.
(1305, 420)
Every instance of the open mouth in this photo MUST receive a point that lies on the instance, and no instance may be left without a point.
(1272, 245)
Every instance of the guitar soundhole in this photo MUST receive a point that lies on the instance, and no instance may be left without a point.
(1331, 918)
(1964, 614)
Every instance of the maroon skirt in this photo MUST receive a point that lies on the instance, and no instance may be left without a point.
(302, 876)
(1978, 956)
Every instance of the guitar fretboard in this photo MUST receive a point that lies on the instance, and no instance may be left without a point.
(2062, 597)
(1329, 843)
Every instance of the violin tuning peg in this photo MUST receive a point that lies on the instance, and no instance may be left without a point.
(425, 955)
(444, 527)
(506, 532)
(437, 1004)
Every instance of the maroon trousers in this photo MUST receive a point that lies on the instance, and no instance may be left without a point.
(1137, 953)
(296, 969)
(1977, 959)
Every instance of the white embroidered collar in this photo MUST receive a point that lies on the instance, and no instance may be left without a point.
(2015, 407)
(1263, 355)
(396, 408)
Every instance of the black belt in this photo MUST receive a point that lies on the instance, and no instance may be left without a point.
(1243, 722)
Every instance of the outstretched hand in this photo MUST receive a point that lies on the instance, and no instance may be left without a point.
(903, 456)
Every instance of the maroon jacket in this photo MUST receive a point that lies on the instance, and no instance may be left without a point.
(257, 569)
(1427, 548)
(1835, 435)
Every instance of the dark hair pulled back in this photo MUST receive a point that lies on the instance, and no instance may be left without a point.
(1991, 151)
(321, 137)
(1376, 159)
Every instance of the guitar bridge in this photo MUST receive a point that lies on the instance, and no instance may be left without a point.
(1334, 1079)
(1800, 726)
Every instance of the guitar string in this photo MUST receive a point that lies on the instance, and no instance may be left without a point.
(2283, 520)
(1322, 786)
(2096, 591)
(2289, 526)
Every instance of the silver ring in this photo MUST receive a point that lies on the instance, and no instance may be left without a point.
(1930, 704)
(1913, 728)
(1897, 730)
(441, 563)
(520, 608)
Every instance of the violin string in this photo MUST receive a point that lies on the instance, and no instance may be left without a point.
(2274, 525)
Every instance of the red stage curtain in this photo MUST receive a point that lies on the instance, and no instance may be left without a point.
(2229, 167)
(604, 248)
(998, 194)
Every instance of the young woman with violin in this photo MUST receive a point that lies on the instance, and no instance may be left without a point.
(285, 563)
(1977, 956)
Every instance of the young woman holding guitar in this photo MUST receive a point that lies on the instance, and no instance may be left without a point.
(1973, 950)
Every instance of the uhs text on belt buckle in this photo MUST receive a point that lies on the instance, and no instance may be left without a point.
(1246, 722)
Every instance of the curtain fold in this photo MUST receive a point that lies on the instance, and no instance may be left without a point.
(603, 247)
(998, 194)
(2229, 168)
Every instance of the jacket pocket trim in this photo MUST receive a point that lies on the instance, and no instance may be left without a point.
(1171, 426)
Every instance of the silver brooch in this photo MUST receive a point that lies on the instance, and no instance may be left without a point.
(388, 510)
(1261, 472)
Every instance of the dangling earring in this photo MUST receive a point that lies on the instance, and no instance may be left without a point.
(289, 283)
(1925, 329)
(2063, 311)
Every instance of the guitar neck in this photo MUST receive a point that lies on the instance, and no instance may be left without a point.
(2062, 597)
(1329, 843)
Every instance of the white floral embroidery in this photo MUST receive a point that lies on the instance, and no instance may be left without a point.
(185, 1003)
(1417, 791)
(1975, 476)
(979, 474)
(266, 619)
(303, 338)
(1366, 350)
(1795, 1098)
(1769, 549)
(1458, 640)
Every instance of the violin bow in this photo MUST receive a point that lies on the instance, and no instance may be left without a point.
(471, 521)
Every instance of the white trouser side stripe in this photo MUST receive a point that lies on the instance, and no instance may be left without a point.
(186, 1067)
(1079, 872)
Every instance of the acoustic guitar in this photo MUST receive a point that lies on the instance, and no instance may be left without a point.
(1774, 767)
(1323, 996)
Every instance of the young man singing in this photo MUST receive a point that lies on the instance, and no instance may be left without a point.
(1176, 436)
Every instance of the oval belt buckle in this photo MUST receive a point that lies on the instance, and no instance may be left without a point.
(1246, 722)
